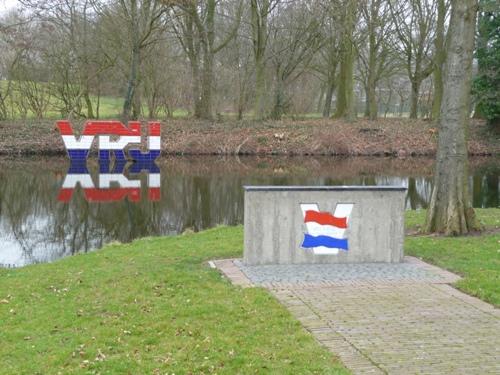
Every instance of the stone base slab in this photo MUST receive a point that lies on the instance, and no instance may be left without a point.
(382, 320)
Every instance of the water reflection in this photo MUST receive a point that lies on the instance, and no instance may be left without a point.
(123, 187)
(41, 221)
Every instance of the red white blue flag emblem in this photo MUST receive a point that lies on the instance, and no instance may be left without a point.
(326, 232)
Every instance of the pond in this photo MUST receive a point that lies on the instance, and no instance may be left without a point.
(49, 209)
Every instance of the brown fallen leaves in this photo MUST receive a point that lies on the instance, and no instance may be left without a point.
(390, 136)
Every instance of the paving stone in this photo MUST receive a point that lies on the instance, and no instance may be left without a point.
(280, 275)
(386, 319)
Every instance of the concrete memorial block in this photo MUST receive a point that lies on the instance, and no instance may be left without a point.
(323, 224)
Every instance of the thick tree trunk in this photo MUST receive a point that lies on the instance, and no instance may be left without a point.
(341, 104)
(260, 89)
(195, 87)
(345, 92)
(450, 209)
(279, 100)
(439, 57)
(207, 87)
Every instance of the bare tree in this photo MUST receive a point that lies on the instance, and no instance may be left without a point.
(294, 39)
(71, 52)
(260, 14)
(132, 26)
(196, 29)
(415, 24)
(450, 209)
(375, 51)
(327, 60)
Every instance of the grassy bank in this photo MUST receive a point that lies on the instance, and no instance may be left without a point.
(149, 307)
(153, 306)
(384, 137)
(476, 257)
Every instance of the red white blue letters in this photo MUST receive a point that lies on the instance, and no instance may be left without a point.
(114, 139)
(78, 148)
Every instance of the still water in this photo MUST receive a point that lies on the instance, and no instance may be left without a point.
(49, 209)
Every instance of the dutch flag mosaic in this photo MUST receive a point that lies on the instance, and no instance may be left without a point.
(326, 233)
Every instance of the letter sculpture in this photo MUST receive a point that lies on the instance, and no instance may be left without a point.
(123, 136)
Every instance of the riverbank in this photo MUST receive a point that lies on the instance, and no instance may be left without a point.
(384, 137)
(154, 306)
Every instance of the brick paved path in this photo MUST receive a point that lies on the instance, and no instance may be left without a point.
(392, 326)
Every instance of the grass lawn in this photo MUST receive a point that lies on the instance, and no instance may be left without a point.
(153, 306)
(149, 307)
(476, 258)
(110, 107)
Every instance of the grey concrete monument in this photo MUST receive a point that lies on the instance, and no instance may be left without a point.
(323, 224)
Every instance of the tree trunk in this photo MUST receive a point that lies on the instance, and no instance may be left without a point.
(350, 114)
(88, 102)
(259, 13)
(136, 107)
(450, 210)
(366, 112)
(328, 98)
(439, 57)
(481, 46)
(372, 100)
(279, 100)
(260, 90)
(195, 87)
(131, 85)
(345, 92)
(98, 104)
(372, 68)
(321, 98)
(341, 104)
(207, 81)
(134, 63)
(415, 90)
(241, 100)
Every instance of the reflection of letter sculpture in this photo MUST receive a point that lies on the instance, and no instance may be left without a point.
(78, 149)
(326, 232)
(79, 174)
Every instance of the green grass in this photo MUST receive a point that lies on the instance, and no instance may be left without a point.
(109, 107)
(154, 306)
(489, 217)
(476, 258)
(149, 307)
